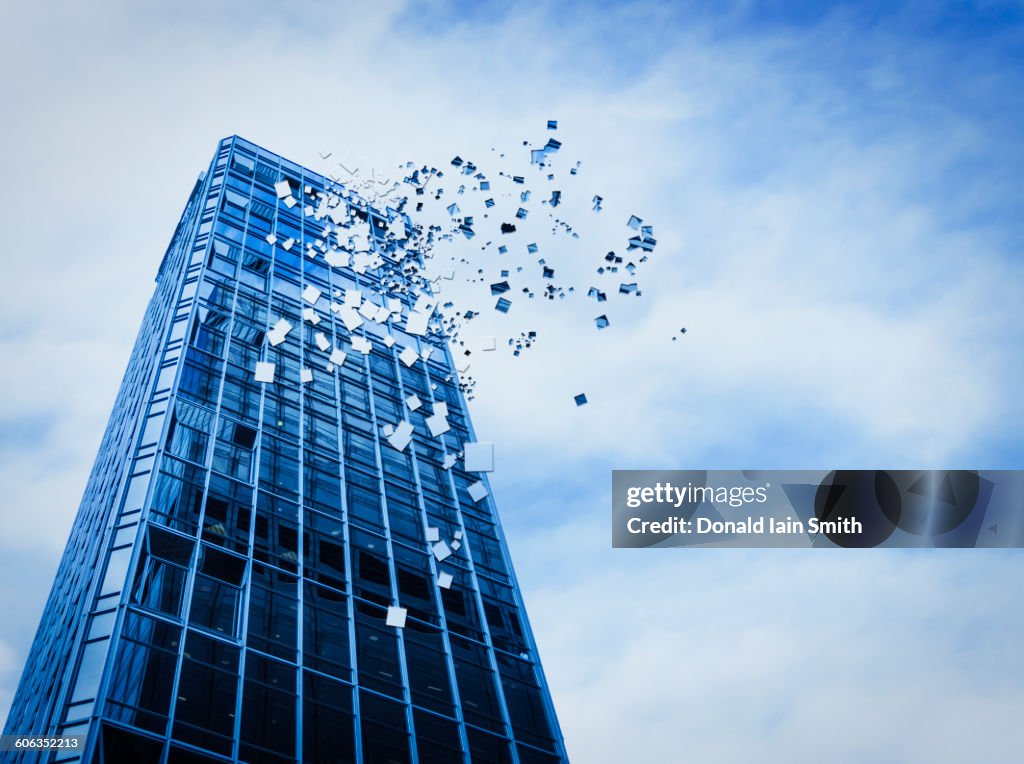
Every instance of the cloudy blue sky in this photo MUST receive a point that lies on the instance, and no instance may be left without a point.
(837, 194)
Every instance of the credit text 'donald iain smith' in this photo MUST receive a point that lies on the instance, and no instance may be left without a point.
(817, 508)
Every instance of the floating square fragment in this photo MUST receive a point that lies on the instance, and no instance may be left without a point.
(264, 371)
(416, 323)
(433, 534)
(444, 580)
(408, 356)
(280, 330)
(400, 438)
(396, 617)
(438, 424)
(350, 317)
(338, 357)
(368, 310)
(362, 345)
(580, 399)
(413, 402)
(311, 294)
(321, 341)
(305, 376)
(441, 551)
(478, 457)
(477, 491)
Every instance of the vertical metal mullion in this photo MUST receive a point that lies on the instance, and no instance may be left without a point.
(517, 597)
(257, 457)
(432, 561)
(488, 641)
(402, 667)
(190, 585)
(347, 537)
(114, 639)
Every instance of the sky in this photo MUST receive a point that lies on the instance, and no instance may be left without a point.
(836, 193)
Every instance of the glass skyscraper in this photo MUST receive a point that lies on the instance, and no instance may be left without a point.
(279, 555)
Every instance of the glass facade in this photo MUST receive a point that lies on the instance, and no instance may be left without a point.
(242, 546)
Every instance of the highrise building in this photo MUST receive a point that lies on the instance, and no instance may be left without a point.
(280, 554)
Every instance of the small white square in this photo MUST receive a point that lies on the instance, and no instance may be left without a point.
(396, 617)
(338, 357)
(283, 189)
(444, 580)
(457, 535)
(271, 239)
(353, 298)
(305, 376)
(336, 259)
(388, 340)
(350, 318)
(456, 545)
(425, 304)
(433, 534)
(426, 353)
(438, 425)
(290, 202)
(478, 457)
(322, 342)
(311, 294)
(361, 345)
(287, 244)
(449, 461)
(400, 438)
(277, 334)
(408, 356)
(477, 491)
(488, 343)
(441, 551)
(416, 323)
(308, 314)
(441, 408)
(413, 402)
(265, 371)
(368, 310)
